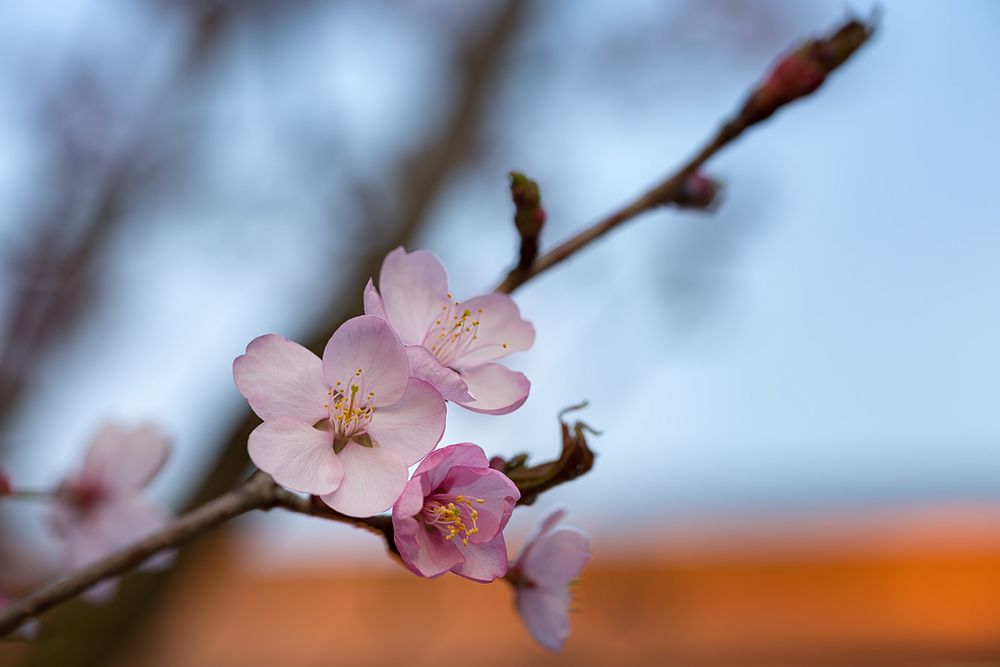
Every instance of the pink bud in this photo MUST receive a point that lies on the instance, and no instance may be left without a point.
(697, 191)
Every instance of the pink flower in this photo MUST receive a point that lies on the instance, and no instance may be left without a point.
(552, 558)
(346, 427)
(452, 513)
(99, 508)
(452, 344)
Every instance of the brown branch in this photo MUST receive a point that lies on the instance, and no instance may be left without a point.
(797, 74)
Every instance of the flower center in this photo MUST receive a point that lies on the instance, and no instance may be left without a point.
(84, 497)
(351, 411)
(453, 332)
(456, 518)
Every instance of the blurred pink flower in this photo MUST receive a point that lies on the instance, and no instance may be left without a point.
(346, 427)
(552, 558)
(5, 486)
(99, 508)
(452, 344)
(452, 513)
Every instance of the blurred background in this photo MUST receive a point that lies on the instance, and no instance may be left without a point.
(799, 392)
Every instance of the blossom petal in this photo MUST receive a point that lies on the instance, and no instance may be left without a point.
(497, 491)
(123, 459)
(557, 557)
(546, 522)
(484, 562)
(297, 455)
(424, 552)
(546, 614)
(437, 464)
(410, 501)
(425, 366)
(374, 478)
(413, 425)
(373, 302)
(280, 378)
(501, 330)
(413, 286)
(367, 343)
(498, 390)
(129, 520)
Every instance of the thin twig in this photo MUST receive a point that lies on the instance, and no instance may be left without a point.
(664, 193)
(795, 75)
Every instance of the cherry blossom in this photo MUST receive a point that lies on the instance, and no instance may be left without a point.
(345, 428)
(99, 508)
(452, 513)
(452, 344)
(550, 561)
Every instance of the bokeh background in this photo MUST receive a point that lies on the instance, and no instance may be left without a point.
(799, 392)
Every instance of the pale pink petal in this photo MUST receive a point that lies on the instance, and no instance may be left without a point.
(374, 478)
(413, 425)
(413, 286)
(501, 330)
(280, 378)
(128, 520)
(124, 459)
(546, 614)
(436, 465)
(373, 302)
(367, 343)
(410, 501)
(86, 540)
(556, 558)
(102, 592)
(546, 522)
(499, 493)
(484, 562)
(424, 552)
(425, 366)
(297, 455)
(497, 389)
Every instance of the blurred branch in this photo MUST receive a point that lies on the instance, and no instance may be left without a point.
(53, 276)
(795, 75)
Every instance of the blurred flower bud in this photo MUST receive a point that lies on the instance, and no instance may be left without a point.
(5, 486)
(529, 216)
(698, 191)
(803, 70)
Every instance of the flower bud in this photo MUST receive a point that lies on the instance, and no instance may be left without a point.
(698, 191)
(529, 216)
(804, 70)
